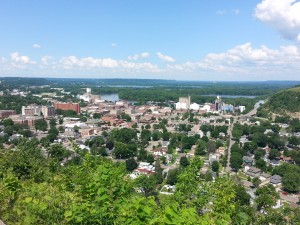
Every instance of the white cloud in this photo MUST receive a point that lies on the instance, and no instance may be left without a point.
(48, 62)
(242, 62)
(72, 62)
(142, 55)
(165, 58)
(45, 60)
(242, 53)
(245, 60)
(282, 15)
(113, 45)
(225, 12)
(20, 61)
(89, 62)
(36, 46)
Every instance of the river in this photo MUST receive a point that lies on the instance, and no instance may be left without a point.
(110, 97)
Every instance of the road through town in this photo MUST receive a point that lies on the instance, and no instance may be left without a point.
(231, 142)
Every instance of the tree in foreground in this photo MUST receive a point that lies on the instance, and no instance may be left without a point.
(291, 182)
(200, 150)
(215, 166)
(236, 161)
(242, 196)
(150, 158)
(172, 176)
(158, 172)
(98, 191)
(211, 146)
(122, 151)
(58, 152)
(266, 197)
(184, 162)
(131, 164)
(41, 125)
(256, 181)
(146, 184)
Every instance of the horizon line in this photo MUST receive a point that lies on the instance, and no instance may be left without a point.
(116, 78)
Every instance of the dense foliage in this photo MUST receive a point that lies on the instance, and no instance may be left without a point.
(38, 189)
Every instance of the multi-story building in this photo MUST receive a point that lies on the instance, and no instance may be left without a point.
(31, 110)
(19, 119)
(32, 119)
(48, 111)
(6, 113)
(218, 104)
(26, 120)
(67, 106)
(184, 103)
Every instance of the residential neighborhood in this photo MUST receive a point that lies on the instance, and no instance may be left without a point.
(170, 135)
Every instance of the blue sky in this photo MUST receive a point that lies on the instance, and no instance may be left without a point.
(170, 39)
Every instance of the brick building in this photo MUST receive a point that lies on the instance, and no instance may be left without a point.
(86, 131)
(67, 106)
(6, 113)
(26, 120)
(19, 119)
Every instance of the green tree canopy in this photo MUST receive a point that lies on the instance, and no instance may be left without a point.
(131, 164)
(291, 182)
(184, 162)
(41, 125)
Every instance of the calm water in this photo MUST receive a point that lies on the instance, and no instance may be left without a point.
(110, 97)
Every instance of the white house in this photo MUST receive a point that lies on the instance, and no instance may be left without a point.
(242, 108)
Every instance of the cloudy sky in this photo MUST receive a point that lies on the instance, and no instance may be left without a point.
(169, 39)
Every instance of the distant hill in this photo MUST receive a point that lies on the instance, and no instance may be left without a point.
(23, 81)
(284, 102)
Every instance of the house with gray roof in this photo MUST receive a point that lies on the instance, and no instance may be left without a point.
(253, 172)
(275, 180)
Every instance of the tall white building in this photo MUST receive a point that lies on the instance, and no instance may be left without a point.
(184, 103)
(242, 108)
(31, 110)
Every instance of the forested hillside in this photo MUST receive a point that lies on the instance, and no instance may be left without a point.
(287, 101)
(39, 188)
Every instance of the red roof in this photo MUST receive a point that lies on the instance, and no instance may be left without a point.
(142, 170)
